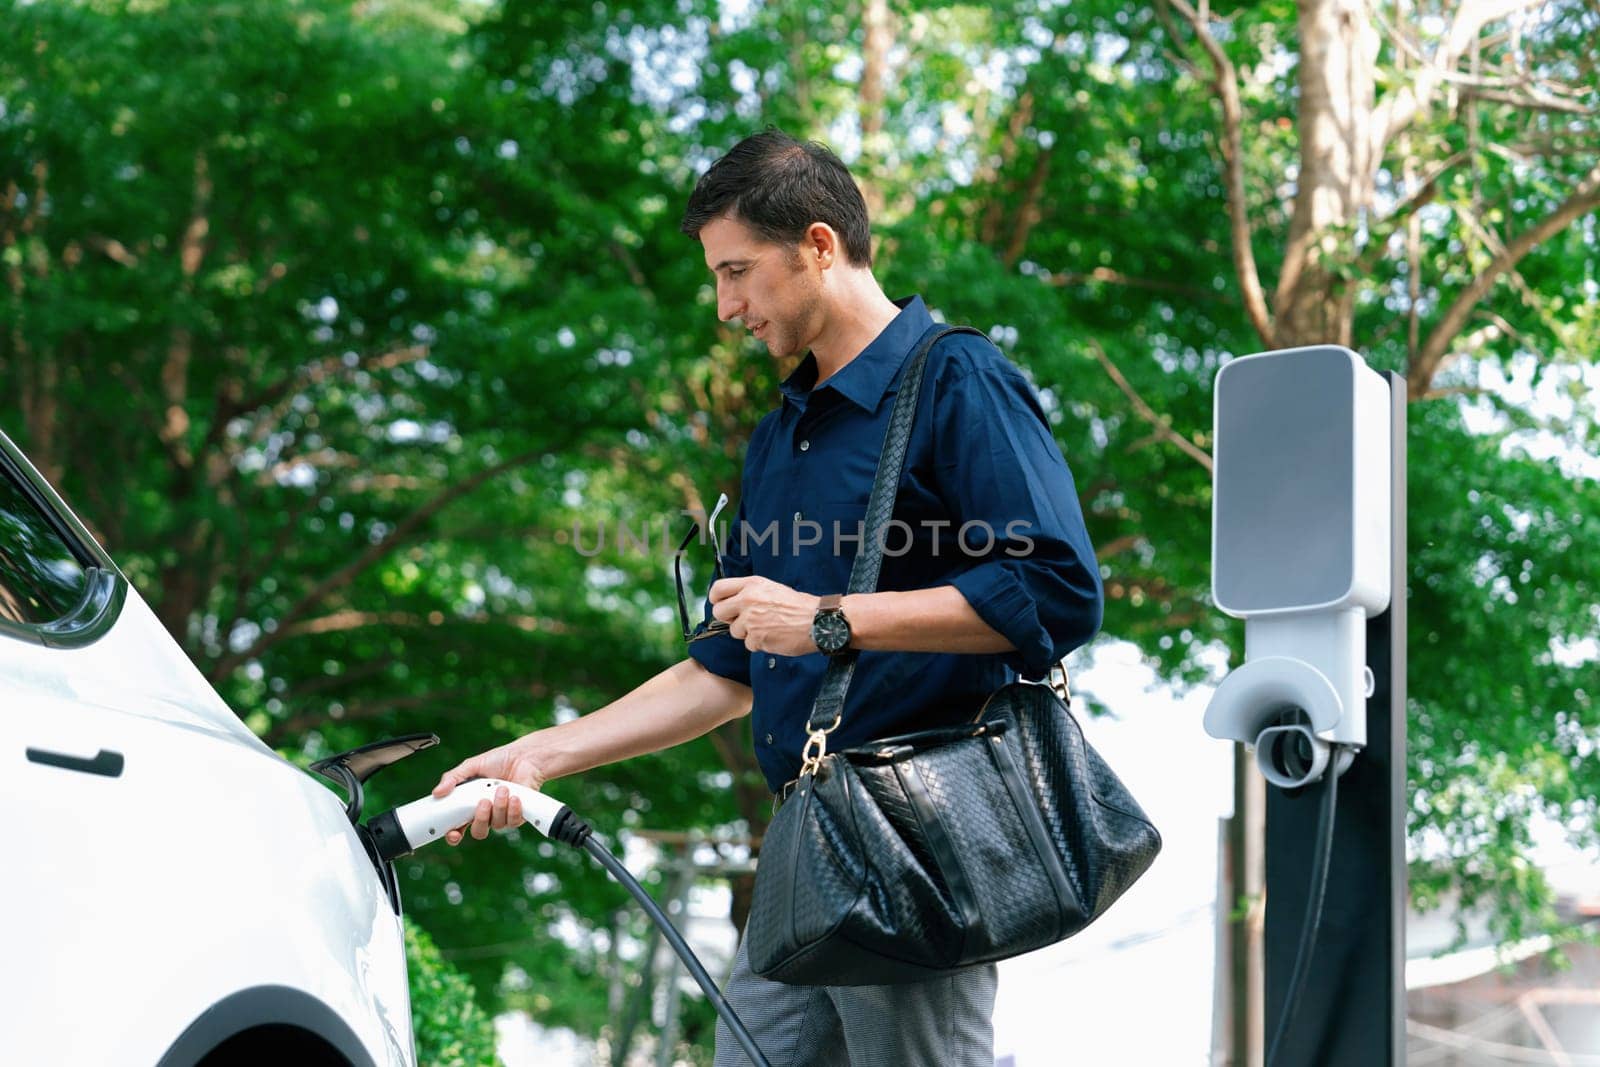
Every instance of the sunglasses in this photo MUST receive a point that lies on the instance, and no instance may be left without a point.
(713, 626)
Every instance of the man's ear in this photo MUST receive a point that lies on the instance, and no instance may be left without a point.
(820, 245)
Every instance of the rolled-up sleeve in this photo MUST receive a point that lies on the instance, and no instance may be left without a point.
(1032, 576)
(720, 653)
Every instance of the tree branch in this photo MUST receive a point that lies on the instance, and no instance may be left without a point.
(192, 248)
(1413, 260)
(1423, 192)
(1112, 277)
(1117, 546)
(322, 457)
(149, 415)
(994, 211)
(39, 382)
(346, 574)
(1396, 110)
(174, 427)
(1177, 54)
(1147, 413)
(344, 621)
(635, 275)
(1538, 94)
(321, 683)
(282, 392)
(1134, 588)
(247, 571)
(1453, 390)
(283, 731)
(1530, 100)
(41, 180)
(1225, 82)
(1028, 214)
(1585, 197)
(112, 249)
(755, 803)
(386, 483)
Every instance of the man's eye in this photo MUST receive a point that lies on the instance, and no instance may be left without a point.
(735, 273)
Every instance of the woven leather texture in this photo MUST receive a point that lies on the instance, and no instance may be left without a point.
(1101, 833)
(849, 890)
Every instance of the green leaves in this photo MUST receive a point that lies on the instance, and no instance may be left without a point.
(451, 1029)
(345, 327)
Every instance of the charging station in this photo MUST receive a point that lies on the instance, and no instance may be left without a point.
(1308, 548)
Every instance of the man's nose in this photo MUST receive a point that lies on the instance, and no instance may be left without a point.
(728, 306)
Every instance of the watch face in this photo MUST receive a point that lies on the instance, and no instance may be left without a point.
(830, 632)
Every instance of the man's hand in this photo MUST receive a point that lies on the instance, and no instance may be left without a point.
(766, 615)
(513, 762)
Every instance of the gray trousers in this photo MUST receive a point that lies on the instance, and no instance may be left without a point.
(940, 1023)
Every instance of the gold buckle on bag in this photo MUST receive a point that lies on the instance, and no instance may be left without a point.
(1060, 686)
(816, 748)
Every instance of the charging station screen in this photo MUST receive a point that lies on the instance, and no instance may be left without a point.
(1284, 486)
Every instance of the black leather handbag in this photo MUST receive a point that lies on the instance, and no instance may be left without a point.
(913, 856)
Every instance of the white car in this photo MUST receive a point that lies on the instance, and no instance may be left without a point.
(171, 889)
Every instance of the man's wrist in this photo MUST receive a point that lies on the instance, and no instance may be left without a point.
(535, 754)
(855, 610)
(830, 625)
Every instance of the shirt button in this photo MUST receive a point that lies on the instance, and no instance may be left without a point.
(805, 446)
(797, 516)
(772, 661)
(769, 739)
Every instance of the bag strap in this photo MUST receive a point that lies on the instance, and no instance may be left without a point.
(829, 706)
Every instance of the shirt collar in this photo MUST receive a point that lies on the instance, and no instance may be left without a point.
(866, 378)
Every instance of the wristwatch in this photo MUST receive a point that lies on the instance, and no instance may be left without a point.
(829, 628)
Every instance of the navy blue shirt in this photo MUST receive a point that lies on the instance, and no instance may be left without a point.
(986, 504)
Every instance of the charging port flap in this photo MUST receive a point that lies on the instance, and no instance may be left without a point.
(351, 768)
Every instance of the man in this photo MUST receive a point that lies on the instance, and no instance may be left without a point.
(987, 570)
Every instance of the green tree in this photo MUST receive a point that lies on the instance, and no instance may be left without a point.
(338, 322)
(452, 1029)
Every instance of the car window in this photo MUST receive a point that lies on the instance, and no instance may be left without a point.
(40, 580)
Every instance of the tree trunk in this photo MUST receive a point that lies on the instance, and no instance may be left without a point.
(755, 805)
(41, 383)
(1245, 909)
(1339, 46)
(1312, 305)
(877, 37)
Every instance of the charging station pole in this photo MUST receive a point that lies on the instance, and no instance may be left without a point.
(1353, 1009)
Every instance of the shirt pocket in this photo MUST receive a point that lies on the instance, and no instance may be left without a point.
(824, 541)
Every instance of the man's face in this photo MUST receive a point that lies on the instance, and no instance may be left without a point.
(766, 286)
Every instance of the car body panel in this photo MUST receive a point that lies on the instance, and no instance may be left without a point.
(131, 904)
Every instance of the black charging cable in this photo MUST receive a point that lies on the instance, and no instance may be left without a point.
(571, 830)
(1319, 887)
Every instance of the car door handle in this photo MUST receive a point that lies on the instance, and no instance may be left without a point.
(105, 762)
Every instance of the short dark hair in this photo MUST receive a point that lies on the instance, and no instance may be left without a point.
(780, 186)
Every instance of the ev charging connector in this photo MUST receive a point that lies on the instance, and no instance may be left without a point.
(401, 831)
(1300, 550)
